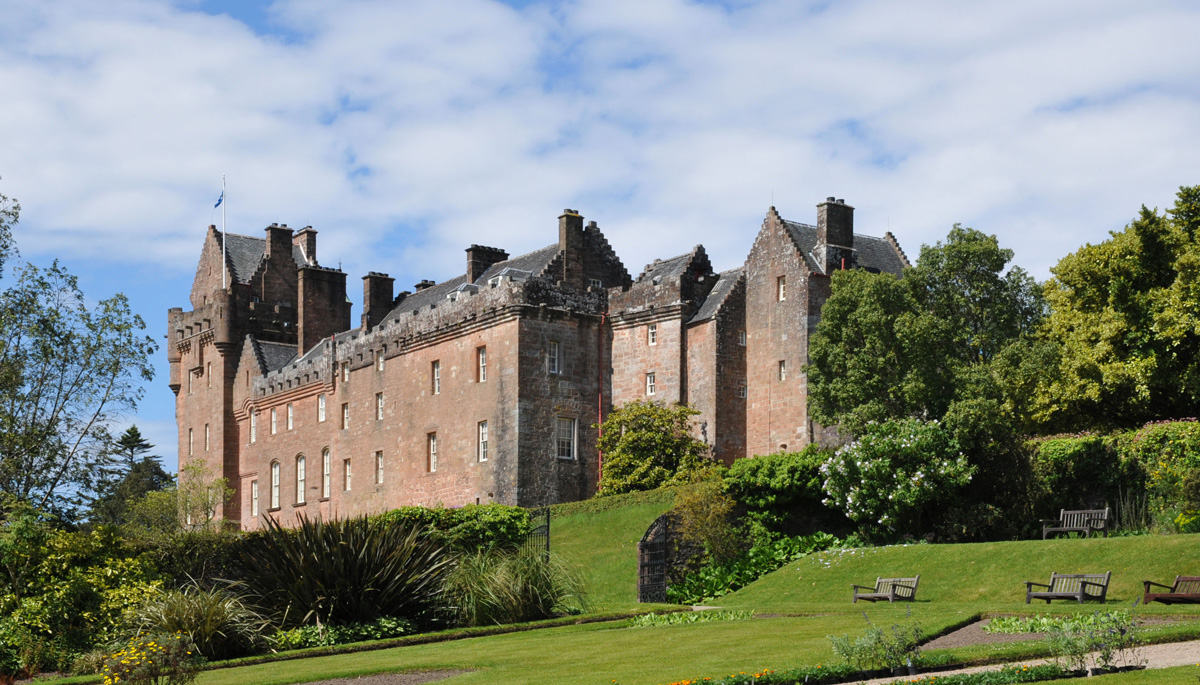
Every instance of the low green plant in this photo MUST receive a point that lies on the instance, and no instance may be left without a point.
(494, 586)
(154, 660)
(878, 648)
(681, 617)
(466, 528)
(1105, 640)
(217, 621)
(713, 580)
(325, 636)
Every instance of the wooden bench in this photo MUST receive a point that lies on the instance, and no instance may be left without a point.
(890, 589)
(1086, 521)
(1076, 586)
(1186, 590)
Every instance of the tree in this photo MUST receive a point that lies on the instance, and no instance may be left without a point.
(66, 372)
(135, 474)
(648, 445)
(1125, 315)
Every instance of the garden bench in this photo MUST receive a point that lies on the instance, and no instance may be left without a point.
(890, 589)
(1185, 590)
(1086, 521)
(1076, 586)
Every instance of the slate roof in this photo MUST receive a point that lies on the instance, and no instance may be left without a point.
(244, 254)
(276, 355)
(666, 269)
(716, 297)
(533, 262)
(873, 253)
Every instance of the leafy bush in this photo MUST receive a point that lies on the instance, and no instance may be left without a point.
(154, 660)
(201, 556)
(681, 617)
(217, 621)
(494, 586)
(704, 517)
(465, 528)
(345, 571)
(648, 445)
(886, 479)
(716, 579)
(1107, 639)
(1169, 453)
(325, 636)
(879, 648)
(783, 491)
(1084, 468)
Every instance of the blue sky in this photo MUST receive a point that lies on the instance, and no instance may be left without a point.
(405, 131)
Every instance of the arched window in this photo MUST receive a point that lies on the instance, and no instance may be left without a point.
(274, 485)
(300, 479)
(326, 472)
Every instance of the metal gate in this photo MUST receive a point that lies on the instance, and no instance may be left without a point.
(652, 562)
(539, 536)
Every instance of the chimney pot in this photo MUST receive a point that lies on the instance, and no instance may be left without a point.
(829, 199)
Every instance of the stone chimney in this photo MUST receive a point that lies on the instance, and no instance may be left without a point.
(279, 241)
(377, 298)
(835, 236)
(306, 240)
(423, 285)
(480, 259)
(570, 230)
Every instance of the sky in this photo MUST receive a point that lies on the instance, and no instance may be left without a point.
(405, 131)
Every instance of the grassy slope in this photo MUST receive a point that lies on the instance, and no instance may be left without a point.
(984, 577)
(599, 538)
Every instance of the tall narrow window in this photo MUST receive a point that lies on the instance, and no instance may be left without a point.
(345, 415)
(742, 390)
(272, 420)
(300, 479)
(742, 338)
(435, 373)
(189, 377)
(431, 440)
(189, 442)
(483, 441)
(254, 498)
(481, 357)
(650, 386)
(206, 437)
(326, 472)
(274, 485)
(320, 408)
(553, 364)
(253, 426)
(565, 438)
(781, 288)
(345, 372)
(379, 468)
(652, 334)
(346, 475)
(379, 360)
(208, 373)
(291, 416)
(782, 369)
(378, 406)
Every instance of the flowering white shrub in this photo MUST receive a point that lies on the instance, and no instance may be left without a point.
(885, 478)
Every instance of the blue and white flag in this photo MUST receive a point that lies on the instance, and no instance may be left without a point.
(220, 200)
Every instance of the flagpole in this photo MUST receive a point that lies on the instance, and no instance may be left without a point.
(224, 263)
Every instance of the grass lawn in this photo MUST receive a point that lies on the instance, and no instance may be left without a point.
(1180, 675)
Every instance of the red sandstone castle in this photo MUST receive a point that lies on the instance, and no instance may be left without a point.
(486, 387)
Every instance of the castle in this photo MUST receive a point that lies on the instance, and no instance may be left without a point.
(486, 387)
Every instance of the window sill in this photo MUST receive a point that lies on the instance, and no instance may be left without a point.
(272, 510)
(323, 499)
(299, 504)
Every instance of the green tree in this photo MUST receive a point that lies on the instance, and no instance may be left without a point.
(66, 372)
(1125, 315)
(648, 445)
(131, 474)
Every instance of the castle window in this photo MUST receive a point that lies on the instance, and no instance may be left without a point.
(345, 415)
(431, 454)
(782, 369)
(483, 441)
(254, 498)
(595, 283)
(435, 373)
(208, 373)
(326, 472)
(346, 475)
(379, 468)
(189, 442)
(300, 479)
(291, 416)
(742, 390)
(481, 358)
(652, 334)
(206, 437)
(321, 408)
(189, 375)
(272, 420)
(379, 361)
(742, 338)
(553, 362)
(253, 426)
(650, 385)
(565, 438)
(378, 406)
(781, 288)
(345, 372)
(274, 485)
